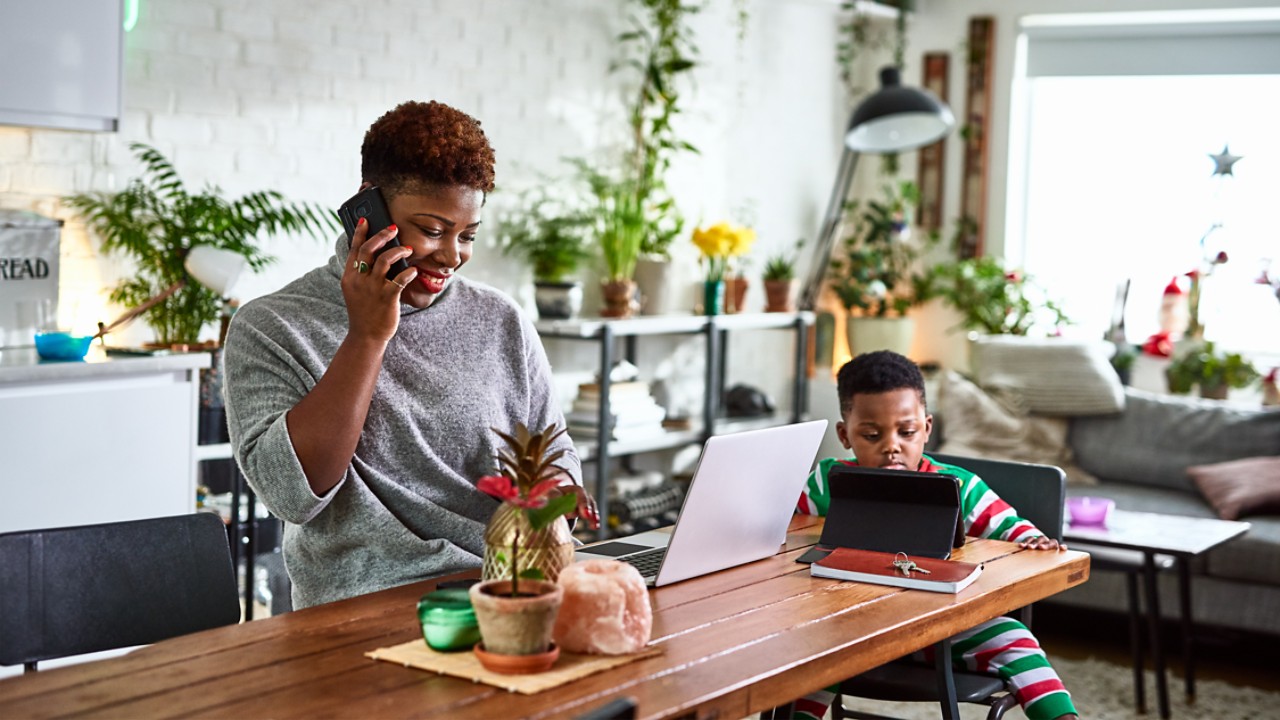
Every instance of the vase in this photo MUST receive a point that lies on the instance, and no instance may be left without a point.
(619, 298)
(520, 624)
(867, 334)
(549, 550)
(735, 298)
(654, 281)
(557, 301)
(712, 297)
(777, 294)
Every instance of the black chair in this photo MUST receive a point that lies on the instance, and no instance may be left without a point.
(623, 708)
(1038, 493)
(70, 591)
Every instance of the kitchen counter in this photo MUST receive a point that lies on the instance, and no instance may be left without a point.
(24, 365)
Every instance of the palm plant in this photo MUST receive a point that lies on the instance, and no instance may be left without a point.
(156, 221)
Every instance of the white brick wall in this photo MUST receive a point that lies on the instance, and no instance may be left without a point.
(256, 95)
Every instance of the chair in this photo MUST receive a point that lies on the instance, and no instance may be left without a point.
(623, 708)
(70, 591)
(1038, 492)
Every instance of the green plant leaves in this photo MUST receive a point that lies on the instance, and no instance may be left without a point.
(541, 517)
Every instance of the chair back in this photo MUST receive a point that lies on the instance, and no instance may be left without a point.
(1037, 492)
(69, 591)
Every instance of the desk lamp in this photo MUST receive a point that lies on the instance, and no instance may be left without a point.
(215, 268)
(892, 119)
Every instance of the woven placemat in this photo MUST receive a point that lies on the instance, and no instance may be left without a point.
(466, 665)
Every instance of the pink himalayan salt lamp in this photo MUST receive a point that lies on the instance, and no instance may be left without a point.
(605, 610)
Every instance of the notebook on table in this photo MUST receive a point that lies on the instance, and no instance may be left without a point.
(890, 511)
(932, 574)
(737, 508)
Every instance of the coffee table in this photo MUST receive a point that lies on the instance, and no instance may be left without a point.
(1155, 534)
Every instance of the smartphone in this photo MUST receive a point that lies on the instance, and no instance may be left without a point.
(370, 205)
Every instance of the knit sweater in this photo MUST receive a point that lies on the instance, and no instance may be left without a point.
(407, 507)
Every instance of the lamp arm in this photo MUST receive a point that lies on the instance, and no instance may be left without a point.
(830, 228)
(135, 312)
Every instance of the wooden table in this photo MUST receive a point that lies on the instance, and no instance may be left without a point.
(734, 643)
(1155, 534)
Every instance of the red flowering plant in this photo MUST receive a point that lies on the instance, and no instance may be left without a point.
(529, 480)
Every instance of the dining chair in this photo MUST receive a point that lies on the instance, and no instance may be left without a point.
(1038, 493)
(623, 708)
(75, 590)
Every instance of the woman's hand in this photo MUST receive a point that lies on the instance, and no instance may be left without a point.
(586, 508)
(1042, 543)
(373, 301)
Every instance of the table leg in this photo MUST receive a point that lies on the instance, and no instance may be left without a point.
(946, 681)
(1188, 634)
(1153, 618)
(1135, 643)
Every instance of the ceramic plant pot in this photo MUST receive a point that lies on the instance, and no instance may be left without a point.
(549, 550)
(777, 294)
(619, 298)
(735, 297)
(520, 625)
(654, 280)
(713, 297)
(557, 301)
(867, 334)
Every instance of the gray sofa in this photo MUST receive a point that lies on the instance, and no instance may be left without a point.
(1140, 457)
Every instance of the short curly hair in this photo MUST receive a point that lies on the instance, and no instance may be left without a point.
(877, 372)
(419, 146)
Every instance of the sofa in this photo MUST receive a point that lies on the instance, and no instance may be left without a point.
(1139, 453)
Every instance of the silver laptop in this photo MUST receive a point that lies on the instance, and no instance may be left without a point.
(736, 510)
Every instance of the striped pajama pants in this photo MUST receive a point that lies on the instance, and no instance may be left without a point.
(1003, 647)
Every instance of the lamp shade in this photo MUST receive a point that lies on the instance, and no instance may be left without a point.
(897, 118)
(215, 268)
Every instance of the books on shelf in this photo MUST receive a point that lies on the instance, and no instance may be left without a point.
(622, 434)
(616, 390)
(945, 576)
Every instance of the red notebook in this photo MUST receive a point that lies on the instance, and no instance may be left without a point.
(945, 576)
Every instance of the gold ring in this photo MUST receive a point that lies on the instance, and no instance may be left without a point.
(399, 285)
(362, 267)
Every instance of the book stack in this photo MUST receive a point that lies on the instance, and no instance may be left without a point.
(633, 413)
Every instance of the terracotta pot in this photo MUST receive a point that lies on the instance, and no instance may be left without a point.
(520, 625)
(549, 549)
(1214, 392)
(735, 295)
(517, 664)
(778, 294)
(619, 298)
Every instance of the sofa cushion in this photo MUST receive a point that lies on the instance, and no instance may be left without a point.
(1051, 376)
(1239, 488)
(1158, 437)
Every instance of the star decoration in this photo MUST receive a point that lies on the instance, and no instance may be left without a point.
(1223, 161)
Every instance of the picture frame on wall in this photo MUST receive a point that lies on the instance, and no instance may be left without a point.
(931, 170)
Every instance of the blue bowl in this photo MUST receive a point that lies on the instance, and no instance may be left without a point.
(62, 346)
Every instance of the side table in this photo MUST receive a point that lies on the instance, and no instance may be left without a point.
(1153, 535)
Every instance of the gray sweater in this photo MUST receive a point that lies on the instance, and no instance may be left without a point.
(407, 507)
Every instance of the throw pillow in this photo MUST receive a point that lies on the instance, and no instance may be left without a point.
(1052, 376)
(1240, 488)
(977, 424)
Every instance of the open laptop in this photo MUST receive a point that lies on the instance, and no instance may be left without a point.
(890, 511)
(736, 510)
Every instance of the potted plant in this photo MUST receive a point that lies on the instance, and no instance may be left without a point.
(157, 220)
(1215, 372)
(527, 544)
(618, 222)
(780, 278)
(990, 298)
(552, 238)
(719, 244)
(874, 274)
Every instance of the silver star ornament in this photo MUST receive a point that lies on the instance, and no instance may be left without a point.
(1223, 161)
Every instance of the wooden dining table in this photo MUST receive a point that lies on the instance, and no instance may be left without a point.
(732, 644)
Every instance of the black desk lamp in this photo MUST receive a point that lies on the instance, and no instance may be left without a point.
(892, 119)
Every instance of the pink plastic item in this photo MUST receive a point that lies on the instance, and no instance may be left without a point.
(1089, 510)
(605, 610)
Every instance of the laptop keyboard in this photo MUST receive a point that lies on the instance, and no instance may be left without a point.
(646, 562)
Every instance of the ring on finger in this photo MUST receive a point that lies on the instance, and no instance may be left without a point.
(362, 267)
(399, 285)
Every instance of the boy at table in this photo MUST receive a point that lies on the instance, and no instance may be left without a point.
(886, 424)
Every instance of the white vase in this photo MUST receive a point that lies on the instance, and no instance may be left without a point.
(867, 334)
(655, 280)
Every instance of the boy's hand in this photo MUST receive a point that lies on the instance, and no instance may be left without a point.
(1042, 543)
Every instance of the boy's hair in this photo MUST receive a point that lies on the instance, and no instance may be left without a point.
(877, 372)
(420, 146)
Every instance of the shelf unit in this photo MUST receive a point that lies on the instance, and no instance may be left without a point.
(716, 329)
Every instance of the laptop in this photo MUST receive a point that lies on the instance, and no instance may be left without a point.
(890, 511)
(736, 510)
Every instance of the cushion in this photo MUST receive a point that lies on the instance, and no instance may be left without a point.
(1158, 437)
(1051, 376)
(1239, 488)
(978, 424)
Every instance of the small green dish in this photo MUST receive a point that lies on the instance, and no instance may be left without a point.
(448, 621)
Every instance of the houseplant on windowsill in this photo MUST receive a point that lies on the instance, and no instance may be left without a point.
(780, 279)
(1215, 372)
(527, 544)
(990, 298)
(551, 236)
(873, 274)
(157, 220)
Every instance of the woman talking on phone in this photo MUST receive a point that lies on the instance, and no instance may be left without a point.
(360, 400)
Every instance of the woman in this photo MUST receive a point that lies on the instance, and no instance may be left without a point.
(361, 408)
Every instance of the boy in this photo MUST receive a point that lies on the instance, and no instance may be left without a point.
(885, 423)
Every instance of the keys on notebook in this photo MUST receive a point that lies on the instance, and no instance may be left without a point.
(646, 562)
(906, 565)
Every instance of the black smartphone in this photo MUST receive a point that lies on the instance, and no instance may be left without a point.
(370, 205)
